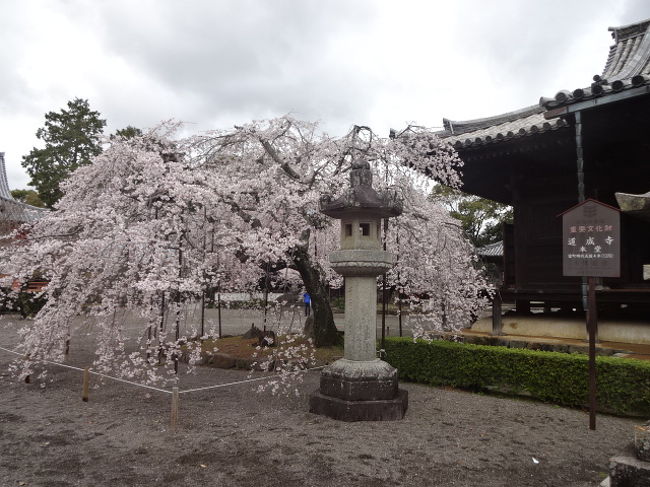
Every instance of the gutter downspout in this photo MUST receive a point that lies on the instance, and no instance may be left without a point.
(581, 184)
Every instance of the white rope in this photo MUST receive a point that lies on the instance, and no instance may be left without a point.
(238, 382)
(129, 382)
(197, 389)
(117, 379)
(226, 384)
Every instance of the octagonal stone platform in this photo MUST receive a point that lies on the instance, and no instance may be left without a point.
(353, 390)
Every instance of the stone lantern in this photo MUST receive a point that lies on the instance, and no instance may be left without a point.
(360, 386)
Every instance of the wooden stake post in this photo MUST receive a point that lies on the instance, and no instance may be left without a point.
(591, 248)
(85, 386)
(174, 412)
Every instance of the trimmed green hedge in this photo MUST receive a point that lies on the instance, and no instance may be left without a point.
(560, 378)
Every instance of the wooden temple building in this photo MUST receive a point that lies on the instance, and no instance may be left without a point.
(13, 213)
(589, 142)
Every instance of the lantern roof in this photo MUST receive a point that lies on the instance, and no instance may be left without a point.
(361, 199)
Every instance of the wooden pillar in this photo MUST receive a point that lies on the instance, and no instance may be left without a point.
(497, 323)
(523, 306)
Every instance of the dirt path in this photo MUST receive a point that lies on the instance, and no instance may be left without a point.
(234, 436)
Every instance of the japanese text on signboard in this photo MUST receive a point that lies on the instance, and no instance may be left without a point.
(591, 233)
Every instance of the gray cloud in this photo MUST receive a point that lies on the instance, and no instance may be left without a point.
(635, 10)
(215, 63)
(247, 56)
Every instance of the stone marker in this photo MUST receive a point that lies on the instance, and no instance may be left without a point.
(642, 442)
(628, 471)
(360, 387)
(632, 468)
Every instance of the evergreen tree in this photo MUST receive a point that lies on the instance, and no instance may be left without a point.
(28, 196)
(481, 219)
(71, 140)
(127, 132)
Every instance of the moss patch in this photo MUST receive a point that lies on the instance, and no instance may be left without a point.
(242, 348)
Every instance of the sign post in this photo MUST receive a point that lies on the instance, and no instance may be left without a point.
(591, 232)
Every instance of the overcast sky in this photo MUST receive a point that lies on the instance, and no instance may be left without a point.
(214, 63)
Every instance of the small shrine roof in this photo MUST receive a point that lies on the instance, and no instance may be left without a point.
(491, 250)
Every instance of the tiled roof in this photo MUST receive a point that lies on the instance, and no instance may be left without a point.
(627, 66)
(511, 125)
(4, 185)
(13, 210)
(491, 250)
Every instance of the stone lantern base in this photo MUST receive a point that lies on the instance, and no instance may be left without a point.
(354, 390)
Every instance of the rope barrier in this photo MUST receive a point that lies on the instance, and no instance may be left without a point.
(110, 377)
(130, 382)
(175, 403)
(226, 384)
(196, 389)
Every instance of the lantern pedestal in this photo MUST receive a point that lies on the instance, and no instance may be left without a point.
(360, 387)
(355, 390)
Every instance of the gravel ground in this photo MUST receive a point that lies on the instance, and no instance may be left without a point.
(234, 436)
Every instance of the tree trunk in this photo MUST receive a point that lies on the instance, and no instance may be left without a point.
(325, 333)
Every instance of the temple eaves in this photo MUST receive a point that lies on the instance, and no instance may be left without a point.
(626, 73)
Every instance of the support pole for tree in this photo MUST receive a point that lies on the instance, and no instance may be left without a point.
(383, 312)
(399, 305)
(162, 324)
(149, 341)
(178, 304)
(383, 294)
(218, 286)
(266, 292)
(203, 313)
(219, 311)
(176, 352)
(203, 290)
(85, 386)
(399, 291)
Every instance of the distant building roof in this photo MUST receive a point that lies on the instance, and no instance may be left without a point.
(491, 250)
(10, 209)
(627, 67)
(4, 185)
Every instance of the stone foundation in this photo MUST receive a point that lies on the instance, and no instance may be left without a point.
(352, 390)
(628, 471)
(381, 410)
